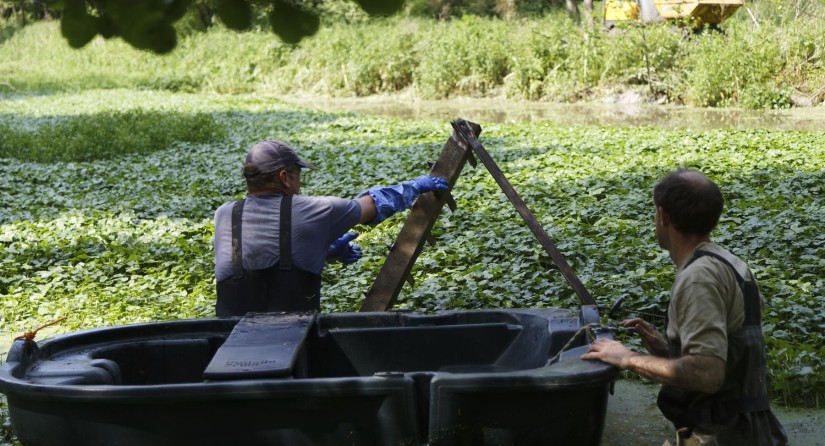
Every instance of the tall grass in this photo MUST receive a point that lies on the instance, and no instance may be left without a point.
(37, 58)
(762, 62)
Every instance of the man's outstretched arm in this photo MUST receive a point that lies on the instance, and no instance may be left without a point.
(704, 373)
(380, 202)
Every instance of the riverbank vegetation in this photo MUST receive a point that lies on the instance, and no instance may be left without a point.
(768, 55)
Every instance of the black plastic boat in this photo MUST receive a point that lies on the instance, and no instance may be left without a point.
(461, 377)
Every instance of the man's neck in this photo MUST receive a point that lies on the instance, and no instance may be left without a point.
(271, 191)
(682, 245)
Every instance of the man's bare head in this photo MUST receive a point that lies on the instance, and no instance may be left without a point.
(692, 201)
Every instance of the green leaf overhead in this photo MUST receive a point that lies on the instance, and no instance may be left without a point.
(235, 14)
(292, 23)
(77, 26)
(381, 8)
(144, 24)
(149, 24)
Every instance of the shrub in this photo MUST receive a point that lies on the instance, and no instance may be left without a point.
(539, 59)
(641, 54)
(469, 56)
(102, 135)
(744, 67)
(343, 59)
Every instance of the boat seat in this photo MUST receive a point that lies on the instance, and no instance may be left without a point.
(75, 371)
(262, 345)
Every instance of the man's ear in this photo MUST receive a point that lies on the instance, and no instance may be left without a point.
(663, 217)
(289, 185)
(283, 177)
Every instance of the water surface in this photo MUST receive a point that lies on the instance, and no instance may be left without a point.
(609, 114)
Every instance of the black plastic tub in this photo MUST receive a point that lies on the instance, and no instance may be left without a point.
(461, 377)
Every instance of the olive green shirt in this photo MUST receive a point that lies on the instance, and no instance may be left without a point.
(706, 303)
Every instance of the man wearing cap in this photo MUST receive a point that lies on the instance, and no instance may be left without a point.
(270, 247)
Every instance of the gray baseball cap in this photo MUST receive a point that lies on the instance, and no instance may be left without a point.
(270, 155)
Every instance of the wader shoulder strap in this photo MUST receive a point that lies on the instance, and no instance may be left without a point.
(753, 310)
(237, 250)
(285, 240)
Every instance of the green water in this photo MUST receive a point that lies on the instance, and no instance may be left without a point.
(634, 420)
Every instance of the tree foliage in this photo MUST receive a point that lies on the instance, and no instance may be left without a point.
(149, 24)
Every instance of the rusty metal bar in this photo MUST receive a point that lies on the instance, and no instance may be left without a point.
(416, 230)
(467, 133)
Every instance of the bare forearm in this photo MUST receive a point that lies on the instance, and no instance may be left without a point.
(693, 372)
(655, 368)
(367, 208)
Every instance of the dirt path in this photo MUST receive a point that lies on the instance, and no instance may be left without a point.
(634, 420)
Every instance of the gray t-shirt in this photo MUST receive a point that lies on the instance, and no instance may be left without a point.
(316, 222)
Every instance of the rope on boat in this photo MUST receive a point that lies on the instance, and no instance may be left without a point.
(28, 336)
(590, 338)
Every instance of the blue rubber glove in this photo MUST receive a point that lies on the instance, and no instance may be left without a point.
(426, 183)
(343, 250)
(391, 199)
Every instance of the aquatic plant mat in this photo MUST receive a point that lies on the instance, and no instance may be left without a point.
(122, 233)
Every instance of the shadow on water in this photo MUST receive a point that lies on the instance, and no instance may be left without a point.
(504, 111)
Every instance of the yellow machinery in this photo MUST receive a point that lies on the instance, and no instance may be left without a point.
(696, 12)
(620, 10)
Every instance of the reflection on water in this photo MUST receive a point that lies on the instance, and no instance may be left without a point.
(504, 111)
